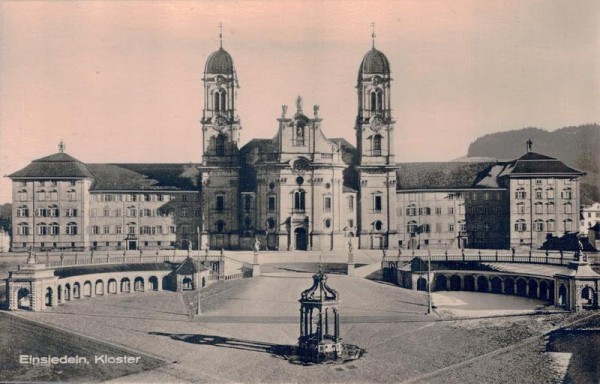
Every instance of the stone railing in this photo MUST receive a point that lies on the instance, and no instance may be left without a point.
(503, 256)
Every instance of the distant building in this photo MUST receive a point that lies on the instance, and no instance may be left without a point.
(296, 191)
(590, 216)
(4, 241)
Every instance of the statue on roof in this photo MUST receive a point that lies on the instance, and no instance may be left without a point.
(299, 104)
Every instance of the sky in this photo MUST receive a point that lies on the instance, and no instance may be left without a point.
(122, 81)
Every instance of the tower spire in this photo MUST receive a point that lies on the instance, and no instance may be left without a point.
(220, 35)
(373, 34)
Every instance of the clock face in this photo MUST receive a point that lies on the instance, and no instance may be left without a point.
(220, 123)
(376, 123)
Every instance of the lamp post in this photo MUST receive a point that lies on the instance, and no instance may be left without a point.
(429, 303)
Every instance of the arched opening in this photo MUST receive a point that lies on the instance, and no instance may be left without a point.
(187, 284)
(440, 282)
(87, 289)
(421, 284)
(469, 282)
(521, 287)
(223, 100)
(125, 285)
(455, 283)
(76, 291)
(373, 101)
(59, 294)
(99, 288)
(301, 239)
(24, 299)
(112, 286)
(551, 292)
(153, 283)
(496, 284)
(379, 100)
(543, 290)
(48, 297)
(562, 296)
(166, 283)
(509, 286)
(587, 297)
(203, 282)
(67, 292)
(138, 284)
(533, 286)
(482, 284)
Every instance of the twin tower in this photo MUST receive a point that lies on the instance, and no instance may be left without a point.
(298, 190)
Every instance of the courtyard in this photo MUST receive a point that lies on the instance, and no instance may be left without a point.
(246, 324)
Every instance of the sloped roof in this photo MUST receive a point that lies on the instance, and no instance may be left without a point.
(144, 176)
(532, 163)
(189, 266)
(107, 268)
(438, 175)
(57, 165)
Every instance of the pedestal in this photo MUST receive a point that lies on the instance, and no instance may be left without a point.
(351, 270)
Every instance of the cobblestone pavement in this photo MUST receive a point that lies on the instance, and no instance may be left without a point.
(244, 320)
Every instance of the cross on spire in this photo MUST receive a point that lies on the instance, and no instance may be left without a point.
(61, 146)
(221, 35)
(373, 34)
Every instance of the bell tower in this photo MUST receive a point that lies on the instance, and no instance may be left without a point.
(377, 221)
(220, 167)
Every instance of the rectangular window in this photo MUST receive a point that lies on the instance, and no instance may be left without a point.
(95, 229)
(438, 211)
(183, 197)
(183, 212)
(117, 212)
(438, 227)
(220, 203)
(327, 204)
(450, 227)
(271, 204)
(106, 212)
(106, 229)
(118, 229)
(377, 203)
(351, 203)
(451, 210)
(172, 230)
(196, 212)
(92, 213)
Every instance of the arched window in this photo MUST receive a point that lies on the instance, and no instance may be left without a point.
(568, 225)
(550, 208)
(373, 101)
(71, 194)
(131, 228)
(350, 203)
(23, 229)
(220, 226)
(520, 225)
(23, 211)
(538, 193)
(520, 193)
(411, 210)
(327, 223)
(54, 229)
(568, 208)
(379, 100)
(53, 195)
(271, 223)
(41, 195)
(248, 223)
(42, 229)
(223, 100)
(217, 101)
(377, 145)
(53, 211)
(425, 228)
(520, 208)
(411, 227)
(71, 228)
(550, 193)
(539, 208)
(538, 226)
(550, 227)
(567, 193)
(220, 145)
(299, 201)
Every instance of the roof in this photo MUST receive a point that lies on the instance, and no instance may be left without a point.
(374, 62)
(442, 176)
(58, 165)
(108, 268)
(219, 62)
(190, 266)
(532, 163)
(126, 177)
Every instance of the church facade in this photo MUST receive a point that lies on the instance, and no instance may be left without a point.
(296, 191)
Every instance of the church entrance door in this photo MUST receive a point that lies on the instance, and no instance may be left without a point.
(301, 239)
(132, 245)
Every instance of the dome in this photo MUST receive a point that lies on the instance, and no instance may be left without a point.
(219, 62)
(374, 63)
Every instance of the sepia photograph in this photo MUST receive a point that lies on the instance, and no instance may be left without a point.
(300, 191)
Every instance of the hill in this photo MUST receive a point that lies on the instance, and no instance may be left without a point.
(579, 147)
